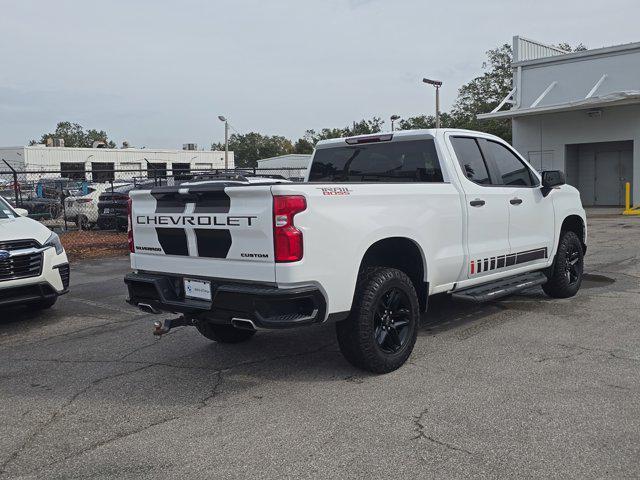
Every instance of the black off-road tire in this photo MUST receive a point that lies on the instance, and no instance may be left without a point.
(357, 335)
(565, 277)
(44, 303)
(224, 333)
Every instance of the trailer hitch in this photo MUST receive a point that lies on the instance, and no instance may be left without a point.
(160, 327)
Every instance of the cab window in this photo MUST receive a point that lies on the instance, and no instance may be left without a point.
(512, 171)
(400, 161)
(471, 160)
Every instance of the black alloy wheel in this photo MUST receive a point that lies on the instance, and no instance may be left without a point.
(573, 264)
(565, 276)
(382, 327)
(391, 320)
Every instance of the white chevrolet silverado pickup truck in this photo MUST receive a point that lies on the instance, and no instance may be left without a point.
(381, 223)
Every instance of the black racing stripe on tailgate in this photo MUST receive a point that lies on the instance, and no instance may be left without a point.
(168, 202)
(212, 202)
(173, 241)
(213, 243)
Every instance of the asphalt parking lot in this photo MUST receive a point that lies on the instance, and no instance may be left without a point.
(527, 387)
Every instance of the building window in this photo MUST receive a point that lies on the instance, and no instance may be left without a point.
(74, 171)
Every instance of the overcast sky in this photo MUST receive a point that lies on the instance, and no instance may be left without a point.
(157, 72)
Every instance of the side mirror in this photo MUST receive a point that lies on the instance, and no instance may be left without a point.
(551, 179)
(22, 212)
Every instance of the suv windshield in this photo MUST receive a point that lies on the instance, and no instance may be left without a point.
(400, 161)
(5, 210)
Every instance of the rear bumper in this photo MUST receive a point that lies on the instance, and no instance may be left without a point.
(108, 222)
(265, 305)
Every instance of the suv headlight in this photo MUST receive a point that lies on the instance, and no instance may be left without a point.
(54, 241)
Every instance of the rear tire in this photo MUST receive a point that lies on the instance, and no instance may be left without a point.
(224, 333)
(82, 222)
(382, 327)
(565, 277)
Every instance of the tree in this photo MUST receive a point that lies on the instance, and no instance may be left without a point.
(250, 147)
(484, 93)
(303, 145)
(362, 127)
(427, 121)
(74, 136)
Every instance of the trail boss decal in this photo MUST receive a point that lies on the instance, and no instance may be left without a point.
(335, 191)
(196, 220)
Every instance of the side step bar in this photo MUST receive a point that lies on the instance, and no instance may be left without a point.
(500, 288)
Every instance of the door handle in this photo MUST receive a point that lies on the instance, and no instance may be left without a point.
(515, 201)
(476, 203)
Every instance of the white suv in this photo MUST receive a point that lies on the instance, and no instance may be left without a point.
(83, 209)
(34, 269)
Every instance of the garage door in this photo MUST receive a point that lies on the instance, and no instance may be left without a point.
(601, 170)
(613, 169)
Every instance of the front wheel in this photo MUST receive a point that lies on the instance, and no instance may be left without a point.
(224, 333)
(382, 328)
(565, 276)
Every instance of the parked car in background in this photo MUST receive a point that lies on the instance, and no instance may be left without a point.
(83, 209)
(34, 269)
(43, 198)
(112, 206)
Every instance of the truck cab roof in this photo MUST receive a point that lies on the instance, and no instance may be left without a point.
(415, 134)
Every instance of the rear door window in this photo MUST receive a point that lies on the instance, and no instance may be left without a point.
(471, 159)
(401, 161)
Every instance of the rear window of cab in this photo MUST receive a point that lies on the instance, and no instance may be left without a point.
(400, 161)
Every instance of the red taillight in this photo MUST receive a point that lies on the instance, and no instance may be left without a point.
(130, 227)
(287, 239)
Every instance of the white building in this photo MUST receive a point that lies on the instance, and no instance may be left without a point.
(109, 163)
(293, 166)
(578, 112)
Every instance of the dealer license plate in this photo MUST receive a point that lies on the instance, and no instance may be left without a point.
(200, 289)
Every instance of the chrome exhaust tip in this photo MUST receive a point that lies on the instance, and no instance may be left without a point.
(243, 324)
(145, 307)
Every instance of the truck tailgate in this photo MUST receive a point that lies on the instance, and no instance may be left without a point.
(214, 230)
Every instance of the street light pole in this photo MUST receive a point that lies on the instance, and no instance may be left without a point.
(437, 84)
(226, 140)
(393, 119)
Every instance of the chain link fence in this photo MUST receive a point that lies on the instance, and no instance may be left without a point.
(89, 208)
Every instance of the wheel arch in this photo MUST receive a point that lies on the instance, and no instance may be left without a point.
(575, 223)
(404, 254)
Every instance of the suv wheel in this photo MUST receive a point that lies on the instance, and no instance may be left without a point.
(224, 333)
(565, 277)
(381, 330)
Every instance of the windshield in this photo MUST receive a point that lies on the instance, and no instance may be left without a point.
(5, 210)
(408, 161)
